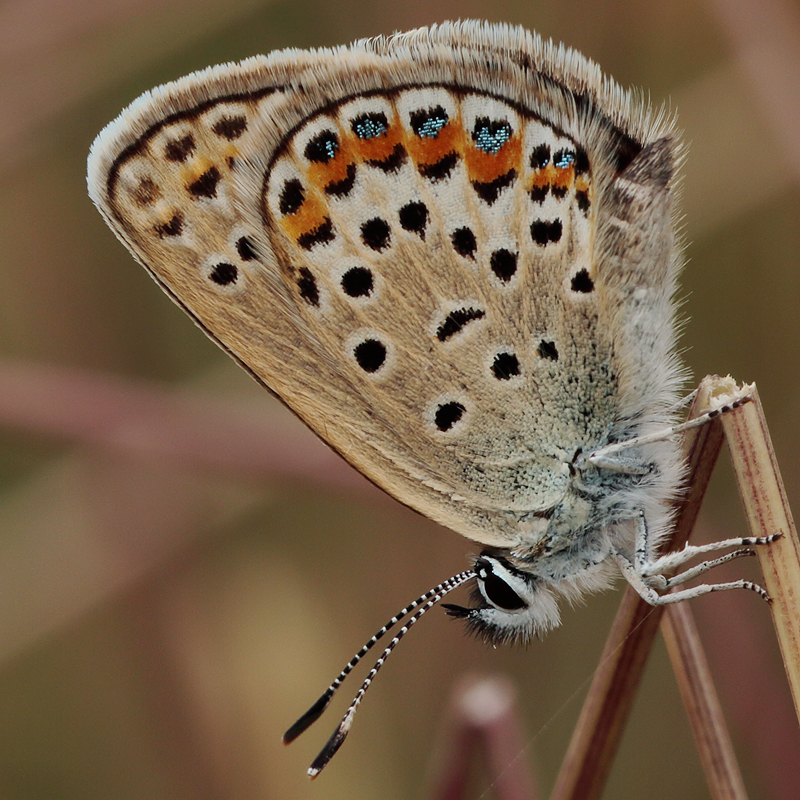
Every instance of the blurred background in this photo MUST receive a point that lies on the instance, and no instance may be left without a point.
(184, 568)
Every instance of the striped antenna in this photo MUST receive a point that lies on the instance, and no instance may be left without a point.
(315, 712)
(338, 737)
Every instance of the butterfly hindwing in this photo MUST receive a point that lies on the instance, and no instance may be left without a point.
(423, 259)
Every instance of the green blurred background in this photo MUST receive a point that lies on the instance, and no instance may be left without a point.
(166, 612)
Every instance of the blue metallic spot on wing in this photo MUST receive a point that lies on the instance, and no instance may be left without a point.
(490, 136)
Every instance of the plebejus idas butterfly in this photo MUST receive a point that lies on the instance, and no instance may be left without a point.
(451, 253)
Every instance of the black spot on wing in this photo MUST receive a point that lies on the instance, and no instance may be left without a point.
(245, 249)
(224, 274)
(581, 161)
(171, 228)
(370, 355)
(440, 169)
(540, 156)
(505, 366)
(448, 414)
(544, 232)
(490, 191)
(206, 184)
(230, 128)
(464, 242)
(322, 234)
(547, 350)
(179, 149)
(343, 187)
(414, 218)
(456, 321)
(307, 284)
(538, 193)
(357, 282)
(582, 282)
(504, 264)
(292, 197)
(376, 233)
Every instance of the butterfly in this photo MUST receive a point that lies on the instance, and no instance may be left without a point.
(452, 253)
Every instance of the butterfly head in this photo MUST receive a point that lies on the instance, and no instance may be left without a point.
(510, 605)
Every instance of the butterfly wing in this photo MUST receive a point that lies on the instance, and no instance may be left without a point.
(425, 246)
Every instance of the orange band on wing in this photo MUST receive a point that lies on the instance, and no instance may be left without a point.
(485, 167)
(309, 217)
(427, 150)
(323, 173)
(377, 148)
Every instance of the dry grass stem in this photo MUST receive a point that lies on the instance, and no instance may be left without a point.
(702, 704)
(768, 512)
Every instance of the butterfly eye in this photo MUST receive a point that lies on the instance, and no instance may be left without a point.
(509, 605)
(501, 595)
(501, 585)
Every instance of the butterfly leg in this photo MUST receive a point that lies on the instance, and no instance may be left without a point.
(607, 458)
(684, 401)
(671, 561)
(647, 576)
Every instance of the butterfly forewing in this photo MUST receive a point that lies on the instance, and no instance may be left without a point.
(412, 254)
